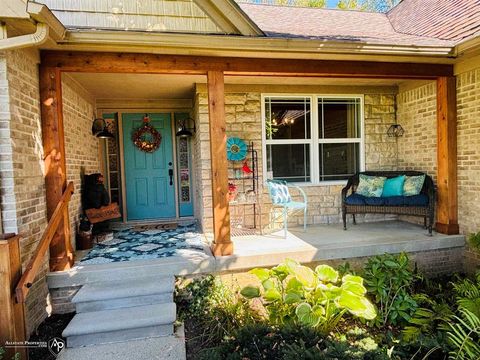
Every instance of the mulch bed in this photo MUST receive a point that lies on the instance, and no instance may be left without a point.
(51, 327)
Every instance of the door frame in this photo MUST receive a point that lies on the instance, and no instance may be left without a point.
(123, 191)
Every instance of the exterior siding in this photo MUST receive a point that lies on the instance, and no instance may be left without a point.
(160, 15)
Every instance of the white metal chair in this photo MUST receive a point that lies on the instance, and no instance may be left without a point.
(280, 195)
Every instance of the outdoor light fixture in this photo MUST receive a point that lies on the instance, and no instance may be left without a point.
(395, 130)
(100, 129)
(184, 131)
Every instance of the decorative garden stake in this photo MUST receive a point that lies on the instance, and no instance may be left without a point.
(146, 137)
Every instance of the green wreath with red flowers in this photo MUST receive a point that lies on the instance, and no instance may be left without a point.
(146, 137)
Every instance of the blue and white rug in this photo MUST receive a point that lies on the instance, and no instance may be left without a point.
(129, 244)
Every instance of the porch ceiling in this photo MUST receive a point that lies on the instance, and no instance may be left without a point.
(146, 86)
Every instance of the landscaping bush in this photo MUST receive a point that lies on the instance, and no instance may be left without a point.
(212, 307)
(292, 342)
(300, 313)
(389, 279)
(295, 294)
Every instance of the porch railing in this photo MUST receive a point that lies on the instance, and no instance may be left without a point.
(60, 213)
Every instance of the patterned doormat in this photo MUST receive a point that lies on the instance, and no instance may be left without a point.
(130, 244)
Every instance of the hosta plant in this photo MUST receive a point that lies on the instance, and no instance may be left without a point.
(295, 294)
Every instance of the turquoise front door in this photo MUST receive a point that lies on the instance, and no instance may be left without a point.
(149, 177)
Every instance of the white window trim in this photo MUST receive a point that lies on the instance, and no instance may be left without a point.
(314, 140)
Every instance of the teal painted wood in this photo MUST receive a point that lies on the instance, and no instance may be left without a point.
(149, 190)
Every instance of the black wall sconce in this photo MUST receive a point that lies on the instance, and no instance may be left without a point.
(185, 131)
(100, 129)
(395, 130)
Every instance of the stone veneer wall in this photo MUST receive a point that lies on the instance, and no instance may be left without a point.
(243, 117)
(22, 184)
(201, 166)
(81, 148)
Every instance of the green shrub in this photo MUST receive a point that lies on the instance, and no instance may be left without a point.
(214, 307)
(389, 278)
(474, 241)
(261, 341)
(295, 294)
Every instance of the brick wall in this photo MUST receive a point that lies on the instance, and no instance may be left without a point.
(468, 115)
(417, 148)
(431, 263)
(22, 183)
(416, 113)
(81, 148)
(243, 117)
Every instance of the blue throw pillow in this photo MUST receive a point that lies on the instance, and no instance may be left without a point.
(393, 186)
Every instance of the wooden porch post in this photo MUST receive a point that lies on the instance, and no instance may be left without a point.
(218, 151)
(12, 315)
(447, 208)
(61, 257)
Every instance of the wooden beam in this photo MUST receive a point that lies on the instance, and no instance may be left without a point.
(102, 62)
(61, 257)
(12, 315)
(447, 208)
(218, 150)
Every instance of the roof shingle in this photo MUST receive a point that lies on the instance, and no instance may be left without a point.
(330, 24)
(443, 19)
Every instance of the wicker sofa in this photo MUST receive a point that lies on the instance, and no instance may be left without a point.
(422, 205)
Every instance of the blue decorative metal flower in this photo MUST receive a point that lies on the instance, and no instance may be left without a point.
(236, 149)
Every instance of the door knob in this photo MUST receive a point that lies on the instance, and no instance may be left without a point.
(170, 173)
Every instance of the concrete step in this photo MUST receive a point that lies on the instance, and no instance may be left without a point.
(122, 303)
(117, 325)
(124, 293)
(166, 348)
(175, 265)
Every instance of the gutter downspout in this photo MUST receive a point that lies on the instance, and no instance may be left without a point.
(22, 41)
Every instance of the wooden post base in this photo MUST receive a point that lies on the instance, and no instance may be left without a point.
(447, 229)
(222, 249)
(12, 314)
(61, 264)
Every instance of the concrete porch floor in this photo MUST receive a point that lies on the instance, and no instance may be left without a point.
(331, 242)
(319, 242)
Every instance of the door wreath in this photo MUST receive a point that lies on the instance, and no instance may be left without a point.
(146, 137)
